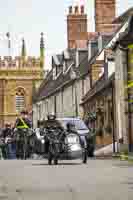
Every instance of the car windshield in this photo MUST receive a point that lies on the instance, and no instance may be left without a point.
(79, 124)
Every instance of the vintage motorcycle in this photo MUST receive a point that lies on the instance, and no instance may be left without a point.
(53, 138)
(60, 144)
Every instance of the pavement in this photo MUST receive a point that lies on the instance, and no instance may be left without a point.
(106, 151)
(70, 180)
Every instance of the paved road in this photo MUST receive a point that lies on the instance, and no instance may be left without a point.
(35, 180)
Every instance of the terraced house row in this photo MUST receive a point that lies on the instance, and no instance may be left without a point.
(91, 79)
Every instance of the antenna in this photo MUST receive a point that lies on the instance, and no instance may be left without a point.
(9, 43)
(9, 40)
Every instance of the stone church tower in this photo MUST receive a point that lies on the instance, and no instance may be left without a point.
(19, 77)
(105, 11)
(76, 26)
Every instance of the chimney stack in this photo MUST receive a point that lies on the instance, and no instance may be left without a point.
(82, 9)
(70, 9)
(104, 15)
(76, 26)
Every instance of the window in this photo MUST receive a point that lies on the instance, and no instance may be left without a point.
(54, 73)
(79, 124)
(81, 28)
(64, 67)
(20, 100)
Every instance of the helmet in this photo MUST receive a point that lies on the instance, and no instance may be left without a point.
(51, 117)
(70, 126)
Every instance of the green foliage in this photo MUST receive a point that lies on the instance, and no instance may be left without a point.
(92, 116)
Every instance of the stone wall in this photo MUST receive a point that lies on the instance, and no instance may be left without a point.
(15, 74)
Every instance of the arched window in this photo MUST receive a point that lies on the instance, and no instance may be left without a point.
(20, 99)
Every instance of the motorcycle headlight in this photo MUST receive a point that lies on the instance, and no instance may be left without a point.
(72, 139)
(42, 141)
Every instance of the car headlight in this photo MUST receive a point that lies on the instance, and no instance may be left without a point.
(72, 139)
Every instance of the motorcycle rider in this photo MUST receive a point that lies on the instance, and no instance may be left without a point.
(22, 123)
(71, 127)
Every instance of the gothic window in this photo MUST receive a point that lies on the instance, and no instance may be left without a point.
(20, 99)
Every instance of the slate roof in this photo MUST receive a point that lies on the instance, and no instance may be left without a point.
(51, 86)
(98, 87)
(124, 16)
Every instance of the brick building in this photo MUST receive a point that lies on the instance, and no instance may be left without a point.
(77, 27)
(104, 15)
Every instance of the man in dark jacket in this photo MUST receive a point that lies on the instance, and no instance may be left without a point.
(6, 133)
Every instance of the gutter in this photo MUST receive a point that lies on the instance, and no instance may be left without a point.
(108, 82)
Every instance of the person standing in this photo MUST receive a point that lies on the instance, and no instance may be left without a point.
(6, 136)
(22, 126)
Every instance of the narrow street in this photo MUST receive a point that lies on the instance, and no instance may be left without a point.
(70, 180)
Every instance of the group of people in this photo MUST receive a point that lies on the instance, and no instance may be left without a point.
(11, 137)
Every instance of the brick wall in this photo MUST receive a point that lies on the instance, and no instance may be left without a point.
(76, 26)
(104, 15)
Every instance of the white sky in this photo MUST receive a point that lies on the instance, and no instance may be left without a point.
(28, 18)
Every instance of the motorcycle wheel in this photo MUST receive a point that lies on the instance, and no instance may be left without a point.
(84, 157)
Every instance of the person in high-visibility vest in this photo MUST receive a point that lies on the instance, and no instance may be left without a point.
(22, 122)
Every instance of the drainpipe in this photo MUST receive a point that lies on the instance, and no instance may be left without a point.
(55, 108)
(76, 100)
(113, 102)
(129, 112)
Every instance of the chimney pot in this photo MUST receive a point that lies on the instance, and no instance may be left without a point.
(82, 9)
(70, 9)
(76, 10)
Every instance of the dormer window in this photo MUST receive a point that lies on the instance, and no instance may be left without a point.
(64, 67)
(54, 73)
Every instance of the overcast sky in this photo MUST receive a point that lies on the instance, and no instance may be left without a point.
(28, 18)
